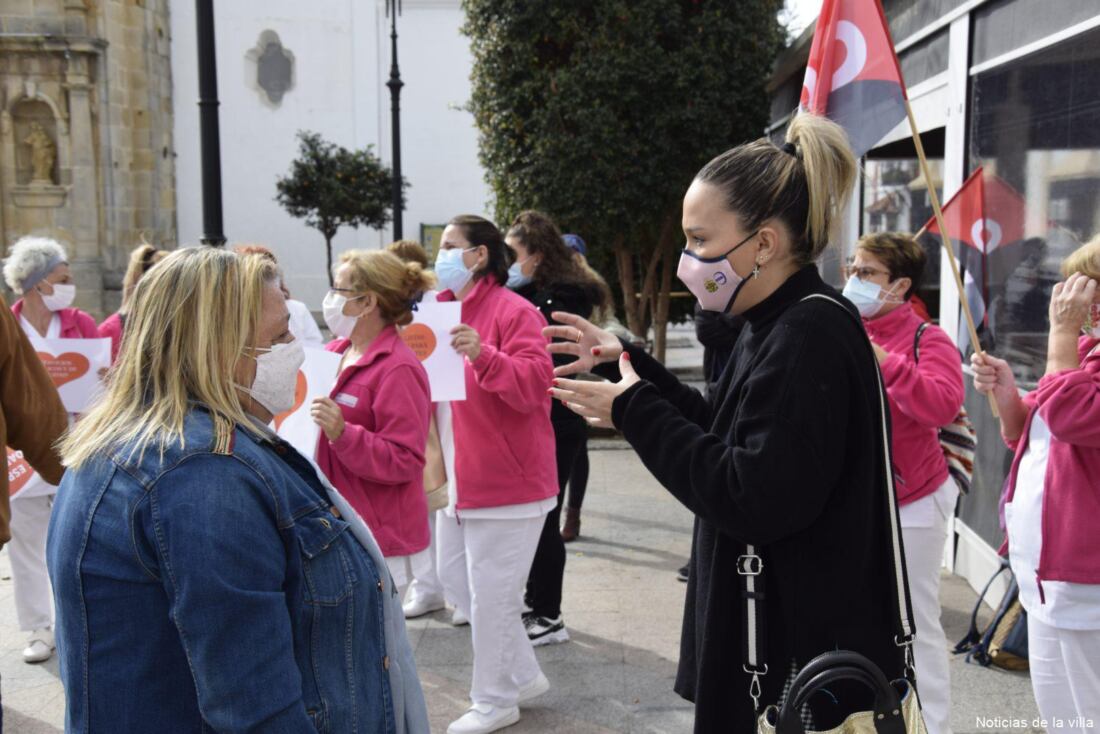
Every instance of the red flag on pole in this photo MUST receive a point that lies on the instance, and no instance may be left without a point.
(984, 214)
(853, 76)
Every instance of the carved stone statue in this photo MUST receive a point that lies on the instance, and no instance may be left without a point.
(43, 154)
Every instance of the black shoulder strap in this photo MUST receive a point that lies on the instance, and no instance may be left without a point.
(916, 340)
(750, 566)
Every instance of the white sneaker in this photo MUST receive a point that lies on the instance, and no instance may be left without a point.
(542, 631)
(40, 646)
(418, 606)
(534, 689)
(458, 619)
(483, 718)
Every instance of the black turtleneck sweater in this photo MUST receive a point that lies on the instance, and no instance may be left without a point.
(787, 455)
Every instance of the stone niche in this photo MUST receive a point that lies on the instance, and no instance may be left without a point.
(35, 139)
(270, 68)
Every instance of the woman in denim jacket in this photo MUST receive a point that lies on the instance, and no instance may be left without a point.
(203, 579)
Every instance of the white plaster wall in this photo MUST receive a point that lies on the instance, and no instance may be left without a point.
(342, 60)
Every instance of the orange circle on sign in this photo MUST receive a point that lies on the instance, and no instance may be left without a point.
(300, 388)
(65, 368)
(420, 339)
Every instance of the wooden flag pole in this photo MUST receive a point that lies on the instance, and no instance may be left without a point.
(938, 213)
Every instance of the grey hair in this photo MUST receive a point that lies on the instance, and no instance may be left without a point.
(30, 261)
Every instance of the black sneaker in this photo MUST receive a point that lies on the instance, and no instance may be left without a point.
(543, 631)
(682, 574)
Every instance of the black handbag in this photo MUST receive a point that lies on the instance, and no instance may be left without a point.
(1004, 640)
(897, 706)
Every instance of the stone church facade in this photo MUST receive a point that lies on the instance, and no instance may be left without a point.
(86, 152)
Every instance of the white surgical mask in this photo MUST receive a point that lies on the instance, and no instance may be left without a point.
(61, 298)
(451, 271)
(338, 323)
(277, 376)
(868, 297)
(516, 278)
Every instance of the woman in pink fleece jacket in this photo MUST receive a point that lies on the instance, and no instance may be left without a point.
(505, 470)
(925, 389)
(1054, 497)
(375, 420)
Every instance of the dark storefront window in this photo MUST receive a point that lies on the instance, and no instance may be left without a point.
(1005, 25)
(926, 59)
(906, 17)
(1035, 125)
(895, 199)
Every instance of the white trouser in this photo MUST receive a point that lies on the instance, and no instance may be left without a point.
(30, 517)
(427, 585)
(1065, 675)
(483, 565)
(923, 559)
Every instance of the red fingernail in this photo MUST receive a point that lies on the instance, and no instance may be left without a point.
(555, 381)
(595, 351)
(626, 356)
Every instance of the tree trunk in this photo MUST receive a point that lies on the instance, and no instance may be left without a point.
(669, 262)
(624, 259)
(664, 298)
(328, 254)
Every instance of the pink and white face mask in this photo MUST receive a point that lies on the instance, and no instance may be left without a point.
(712, 280)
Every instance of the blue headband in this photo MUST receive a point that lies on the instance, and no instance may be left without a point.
(37, 276)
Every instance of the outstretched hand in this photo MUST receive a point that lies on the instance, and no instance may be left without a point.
(593, 400)
(582, 339)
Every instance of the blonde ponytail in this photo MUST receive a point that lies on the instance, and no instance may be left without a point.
(830, 170)
(399, 285)
(805, 184)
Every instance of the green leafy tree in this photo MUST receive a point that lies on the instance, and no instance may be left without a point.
(330, 187)
(600, 112)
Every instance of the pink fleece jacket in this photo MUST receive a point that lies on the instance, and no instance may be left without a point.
(1069, 403)
(924, 396)
(504, 442)
(111, 328)
(378, 461)
(75, 324)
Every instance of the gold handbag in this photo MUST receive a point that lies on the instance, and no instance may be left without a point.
(897, 705)
(896, 709)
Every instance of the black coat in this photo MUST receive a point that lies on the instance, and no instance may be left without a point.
(788, 455)
(576, 298)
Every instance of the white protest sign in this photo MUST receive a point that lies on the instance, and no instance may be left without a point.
(429, 336)
(315, 380)
(23, 480)
(74, 366)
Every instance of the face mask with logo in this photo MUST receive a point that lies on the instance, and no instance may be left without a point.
(451, 271)
(338, 323)
(62, 296)
(277, 376)
(868, 297)
(516, 278)
(712, 280)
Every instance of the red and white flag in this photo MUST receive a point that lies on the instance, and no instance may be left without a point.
(853, 76)
(984, 214)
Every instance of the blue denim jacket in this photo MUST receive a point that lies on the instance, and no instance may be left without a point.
(216, 591)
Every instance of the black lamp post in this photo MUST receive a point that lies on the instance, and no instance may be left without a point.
(393, 9)
(208, 127)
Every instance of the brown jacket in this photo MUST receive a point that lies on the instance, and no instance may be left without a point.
(32, 417)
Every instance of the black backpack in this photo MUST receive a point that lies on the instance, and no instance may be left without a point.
(1004, 641)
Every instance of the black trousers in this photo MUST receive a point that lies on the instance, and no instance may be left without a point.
(578, 479)
(548, 569)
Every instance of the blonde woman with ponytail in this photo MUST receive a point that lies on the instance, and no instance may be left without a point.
(784, 467)
(375, 422)
(189, 540)
(144, 257)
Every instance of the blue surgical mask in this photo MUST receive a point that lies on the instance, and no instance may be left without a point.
(452, 273)
(866, 296)
(516, 278)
